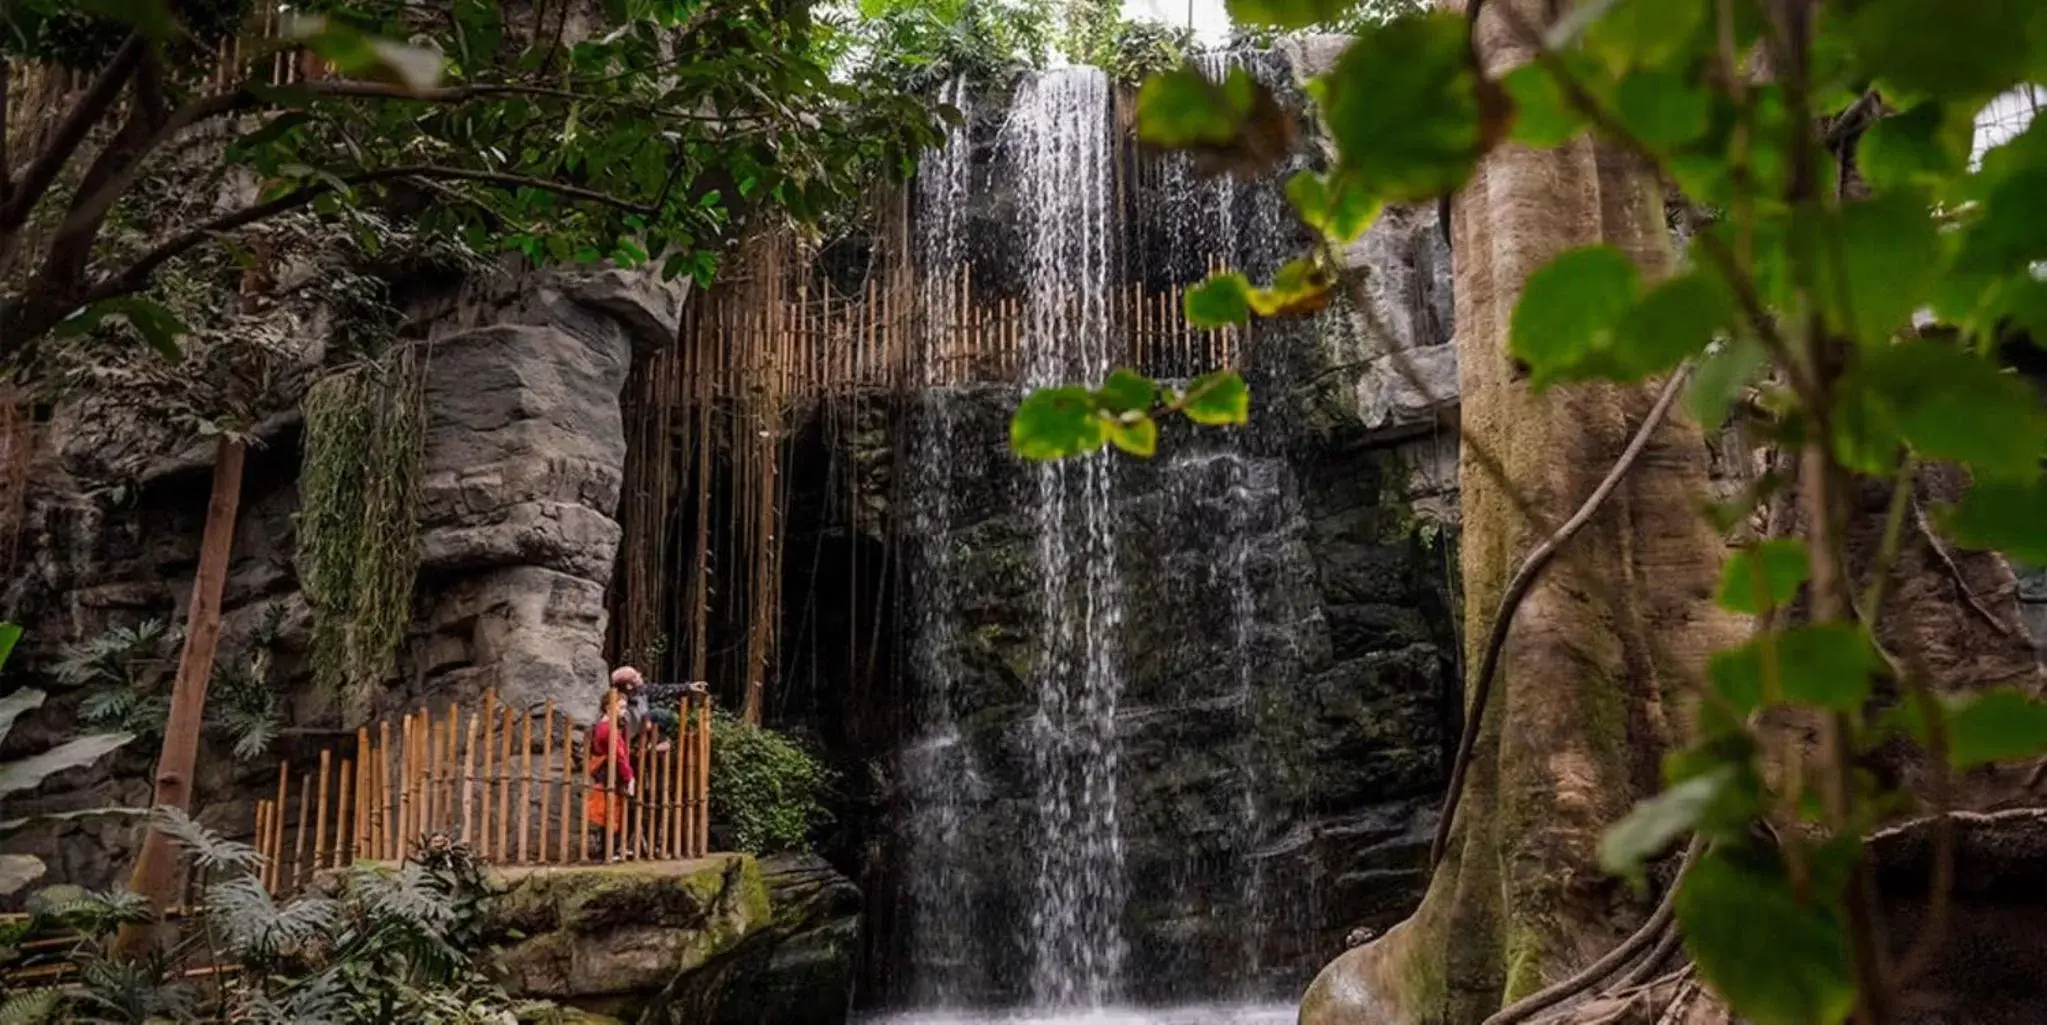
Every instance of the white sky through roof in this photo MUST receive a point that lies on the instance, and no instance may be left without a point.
(1211, 22)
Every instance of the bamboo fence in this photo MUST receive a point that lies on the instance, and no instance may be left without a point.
(488, 777)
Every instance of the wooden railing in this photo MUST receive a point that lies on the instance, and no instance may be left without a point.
(514, 786)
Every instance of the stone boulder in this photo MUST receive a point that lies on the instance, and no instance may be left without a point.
(721, 939)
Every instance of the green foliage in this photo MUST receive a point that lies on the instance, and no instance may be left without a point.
(767, 787)
(1054, 423)
(925, 43)
(358, 519)
(392, 945)
(17, 870)
(654, 140)
(1806, 287)
(124, 675)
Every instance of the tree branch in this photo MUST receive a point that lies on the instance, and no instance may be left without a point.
(98, 99)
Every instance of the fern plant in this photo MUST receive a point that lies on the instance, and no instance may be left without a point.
(18, 870)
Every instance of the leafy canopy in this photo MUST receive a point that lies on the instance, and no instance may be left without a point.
(653, 138)
(1844, 215)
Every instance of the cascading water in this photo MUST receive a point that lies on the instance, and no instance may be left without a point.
(937, 769)
(1058, 134)
(1082, 816)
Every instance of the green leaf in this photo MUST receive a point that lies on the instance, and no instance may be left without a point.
(13, 704)
(1924, 145)
(1890, 251)
(1337, 205)
(363, 55)
(1287, 13)
(1222, 299)
(9, 634)
(1968, 50)
(1138, 436)
(1997, 725)
(1675, 321)
(1776, 959)
(1126, 391)
(1948, 403)
(1644, 33)
(1543, 115)
(1762, 577)
(1299, 287)
(1182, 107)
(1721, 376)
(2005, 516)
(1402, 104)
(1563, 324)
(1053, 423)
(29, 773)
(1656, 823)
(157, 325)
(1825, 664)
(1218, 398)
(1661, 109)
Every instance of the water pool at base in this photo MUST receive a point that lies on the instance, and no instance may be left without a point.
(1197, 1014)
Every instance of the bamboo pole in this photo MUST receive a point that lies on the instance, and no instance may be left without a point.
(613, 807)
(343, 823)
(277, 826)
(677, 789)
(504, 845)
(469, 778)
(386, 813)
(568, 787)
(363, 793)
(489, 714)
(298, 847)
(451, 779)
(581, 788)
(262, 844)
(526, 784)
(320, 812)
(405, 761)
(704, 776)
(547, 765)
(640, 795)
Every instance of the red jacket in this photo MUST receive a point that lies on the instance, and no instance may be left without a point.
(601, 739)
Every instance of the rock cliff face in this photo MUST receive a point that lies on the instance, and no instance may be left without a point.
(524, 455)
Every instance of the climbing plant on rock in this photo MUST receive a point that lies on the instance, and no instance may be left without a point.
(358, 520)
(1859, 282)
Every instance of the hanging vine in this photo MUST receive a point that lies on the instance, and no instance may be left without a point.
(358, 521)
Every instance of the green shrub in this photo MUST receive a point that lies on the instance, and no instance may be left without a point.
(768, 787)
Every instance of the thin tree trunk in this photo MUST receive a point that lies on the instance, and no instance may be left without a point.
(156, 869)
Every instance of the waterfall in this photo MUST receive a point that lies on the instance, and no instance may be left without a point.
(937, 769)
(1061, 149)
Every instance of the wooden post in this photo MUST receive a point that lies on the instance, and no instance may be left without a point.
(298, 847)
(386, 814)
(546, 766)
(469, 779)
(451, 781)
(525, 783)
(263, 842)
(404, 790)
(579, 789)
(344, 823)
(662, 794)
(614, 809)
(363, 791)
(320, 812)
(277, 826)
(504, 844)
(704, 778)
(676, 791)
(641, 789)
(490, 709)
(570, 804)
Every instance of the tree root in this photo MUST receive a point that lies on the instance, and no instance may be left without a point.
(1658, 935)
(1954, 570)
(1517, 589)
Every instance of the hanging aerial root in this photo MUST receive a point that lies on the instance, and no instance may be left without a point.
(1517, 589)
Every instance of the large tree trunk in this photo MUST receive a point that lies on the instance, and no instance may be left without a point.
(1604, 646)
(157, 868)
